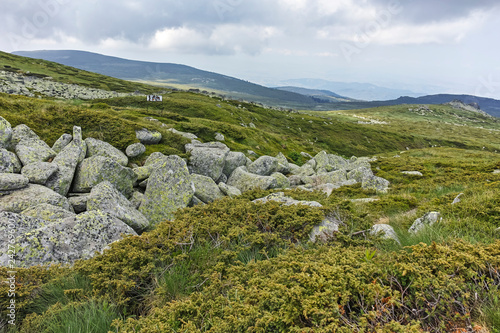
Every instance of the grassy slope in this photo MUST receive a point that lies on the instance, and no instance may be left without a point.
(168, 283)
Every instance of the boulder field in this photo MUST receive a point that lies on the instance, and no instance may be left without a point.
(70, 201)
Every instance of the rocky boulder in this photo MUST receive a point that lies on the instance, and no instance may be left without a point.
(264, 166)
(5, 133)
(375, 183)
(281, 180)
(229, 191)
(32, 150)
(207, 159)
(135, 150)
(97, 169)
(148, 137)
(62, 142)
(206, 189)
(106, 198)
(12, 181)
(427, 220)
(47, 212)
(40, 172)
(169, 188)
(385, 231)
(234, 160)
(246, 181)
(286, 201)
(31, 196)
(62, 242)
(9, 163)
(100, 148)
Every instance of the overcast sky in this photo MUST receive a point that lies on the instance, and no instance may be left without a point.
(426, 45)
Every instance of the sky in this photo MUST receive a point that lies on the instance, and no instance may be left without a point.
(428, 46)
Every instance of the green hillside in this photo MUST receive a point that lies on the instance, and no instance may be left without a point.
(236, 266)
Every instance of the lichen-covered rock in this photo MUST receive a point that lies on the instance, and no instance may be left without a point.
(360, 174)
(195, 201)
(325, 229)
(64, 241)
(9, 163)
(33, 150)
(283, 165)
(358, 162)
(205, 188)
(62, 142)
(334, 177)
(323, 162)
(286, 201)
(22, 132)
(169, 188)
(281, 180)
(219, 137)
(97, 169)
(264, 166)
(39, 172)
(67, 161)
(47, 212)
(5, 133)
(207, 159)
(12, 181)
(136, 199)
(189, 136)
(413, 173)
(246, 181)
(385, 231)
(376, 183)
(427, 220)
(151, 164)
(135, 150)
(230, 191)
(234, 160)
(79, 202)
(31, 196)
(106, 198)
(100, 148)
(148, 137)
(304, 171)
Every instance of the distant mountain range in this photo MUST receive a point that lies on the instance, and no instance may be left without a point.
(359, 91)
(174, 75)
(312, 94)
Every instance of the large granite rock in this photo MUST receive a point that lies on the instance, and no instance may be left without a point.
(207, 159)
(283, 165)
(148, 137)
(286, 201)
(5, 133)
(12, 181)
(9, 163)
(62, 142)
(205, 188)
(67, 161)
(230, 191)
(334, 177)
(246, 181)
(385, 231)
(169, 188)
(152, 163)
(264, 166)
(47, 212)
(135, 150)
(31, 150)
(22, 132)
(375, 183)
(40, 172)
(41, 242)
(106, 198)
(281, 180)
(234, 160)
(97, 169)
(100, 148)
(31, 196)
(360, 174)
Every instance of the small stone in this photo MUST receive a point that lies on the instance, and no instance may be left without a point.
(135, 150)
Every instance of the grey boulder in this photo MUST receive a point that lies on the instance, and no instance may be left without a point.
(246, 181)
(168, 189)
(31, 196)
(264, 166)
(39, 172)
(207, 159)
(106, 198)
(427, 220)
(385, 231)
(230, 191)
(148, 137)
(9, 163)
(234, 160)
(206, 189)
(47, 212)
(12, 181)
(5, 133)
(62, 142)
(31, 150)
(100, 148)
(135, 150)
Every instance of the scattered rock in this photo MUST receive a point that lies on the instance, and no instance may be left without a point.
(135, 150)
(233, 161)
(286, 201)
(413, 173)
(375, 183)
(385, 230)
(148, 137)
(457, 199)
(425, 221)
(230, 191)
(264, 166)
(189, 136)
(136, 199)
(281, 180)
(219, 137)
(30, 150)
(5, 133)
(208, 159)
(79, 202)
(326, 228)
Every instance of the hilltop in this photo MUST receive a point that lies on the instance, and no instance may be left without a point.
(236, 264)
